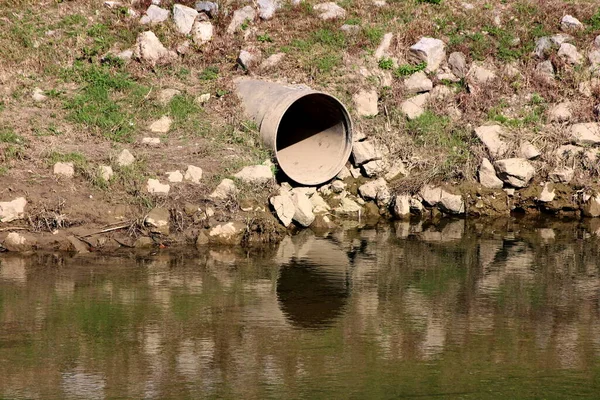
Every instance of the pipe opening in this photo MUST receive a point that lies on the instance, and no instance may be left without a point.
(314, 139)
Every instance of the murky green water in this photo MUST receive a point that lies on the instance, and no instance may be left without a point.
(401, 311)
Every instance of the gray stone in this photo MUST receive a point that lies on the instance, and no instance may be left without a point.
(165, 96)
(542, 46)
(585, 133)
(12, 210)
(161, 125)
(377, 191)
(569, 54)
(211, 9)
(255, 174)
(65, 169)
(337, 186)
(16, 242)
(202, 32)
(560, 38)
(596, 42)
(143, 242)
(154, 15)
(594, 57)
(401, 206)
(227, 232)
(153, 186)
(184, 18)
(249, 57)
(149, 48)
(415, 106)
(363, 152)
(529, 151)
(239, 17)
(203, 98)
(396, 170)
(284, 208)
(451, 203)
(441, 92)
(320, 206)
(158, 220)
(591, 207)
(418, 83)
(516, 172)
(481, 75)
(273, 61)
(193, 174)
(492, 137)
(431, 195)
(430, 50)
(548, 193)
(416, 206)
(105, 172)
(374, 168)
(384, 46)
(329, 11)
(348, 207)
(365, 102)
(125, 158)
(350, 29)
(560, 112)
(303, 214)
(343, 174)
(562, 175)
(151, 141)
(225, 190)
(267, 8)
(545, 68)
(487, 175)
(458, 64)
(569, 23)
(174, 176)
(38, 95)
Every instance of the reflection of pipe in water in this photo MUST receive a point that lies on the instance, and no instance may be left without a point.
(313, 287)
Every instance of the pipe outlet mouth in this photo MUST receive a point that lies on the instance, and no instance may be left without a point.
(314, 138)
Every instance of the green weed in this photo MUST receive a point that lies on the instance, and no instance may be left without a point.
(328, 37)
(264, 38)
(327, 62)
(209, 73)
(7, 135)
(430, 1)
(408, 69)
(386, 63)
(373, 34)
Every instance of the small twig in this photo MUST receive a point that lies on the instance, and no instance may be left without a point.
(16, 228)
(116, 228)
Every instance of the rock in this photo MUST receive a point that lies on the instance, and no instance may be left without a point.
(303, 213)
(125, 158)
(183, 47)
(284, 208)
(415, 106)
(165, 96)
(418, 83)
(158, 220)
(355, 172)
(542, 46)
(377, 191)
(529, 151)
(458, 64)
(568, 151)
(451, 203)
(431, 195)
(343, 174)
(240, 17)
(38, 95)
(143, 242)
(211, 9)
(338, 186)
(249, 57)
(401, 206)
(272, 61)
(105, 172)
(591, 207)
(151, 141)
(416, 206)
(184, 18)
(322, 223)
(594, 57)
(154, 15)
(548, 193)
(15, 241)
(153, 186)
(255, 174)
(347, 207)
(374, 168)
(203, 98)
(481, 75)
(363, 152)
(596, 42)
(64, 169)
(587, 88)
(149, 48)
(350, 29)
(487, 175)
(516, 172)
(560, 112)
(441, 92)
(384, 46)
(569, 54)
(585, 133)
(174, 176)
(329, 11)
(225, 190)
(193, 174)
(125, 55)
(202, 239)
(545, 68)
(202, 32)
(430, 50)
(319, 205)
(569, 23)
(492, 137)
(12, 210)
(227, 232)
(562, 175)
(560, 38)
(162, 125)
(267, 8)
(307, 191)
(396, 170)
(365, 102)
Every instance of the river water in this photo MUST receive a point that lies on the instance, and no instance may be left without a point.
(397, 311)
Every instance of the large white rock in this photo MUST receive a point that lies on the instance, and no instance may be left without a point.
(158, 220)
(193, 174)
(303, 213)
(225, 190)
(255, 174)
(376, 190)
(239, 17)
(451, 203)
(517, 172)
(431, 195)
(487, 175)
(569, 53)
(418, 83)
(401, 206)
(569, 23)
(184, 18)
(529, 151)
(149, 48)
(12, 210)
(154, 15)
(363, 152)
(481, 75)
(492, 137)
(591, 207)
(249, 57)
(365, 102)
(174, 176)
(384, 46)
(65, 169)
(272, 61)
(38, 95)
(347, 207)
(153, 186)
(320, 206)
(594, 57)
(125, 158)
(585, 133)
(329, 11)
(202, 32)
(15, 241)
(458, 64)
(165, 96)
(415, 106)
(545, 69)
(226, 232)
(161, 125)
(105, 172)
(151, 141)
(267, 8)
(284, 208)
(548, 193)
(430, 50)
(560, 112)
(562, 175)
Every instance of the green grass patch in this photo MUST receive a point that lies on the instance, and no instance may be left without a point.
(7, 135)
(75, 157)
(330, 38)
(209, 73)
(264, 38)
(327, 62)
(593, 24)
(374, 34)
(386, 63)
(408, 69)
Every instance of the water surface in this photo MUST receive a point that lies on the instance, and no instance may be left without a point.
(399, 311)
